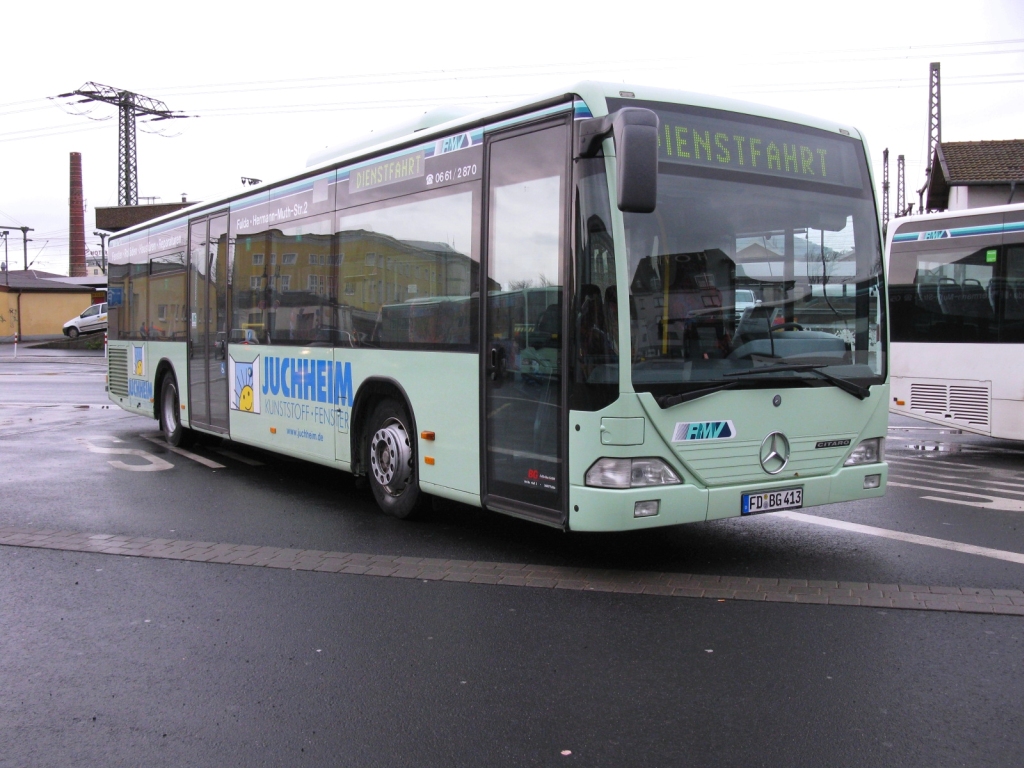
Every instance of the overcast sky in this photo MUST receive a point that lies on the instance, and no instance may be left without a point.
(270, 83)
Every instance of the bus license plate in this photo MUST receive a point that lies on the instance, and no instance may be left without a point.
(770, 501)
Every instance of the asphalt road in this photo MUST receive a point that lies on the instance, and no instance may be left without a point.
(205, 664)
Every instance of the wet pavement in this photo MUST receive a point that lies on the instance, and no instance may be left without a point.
(244, 665)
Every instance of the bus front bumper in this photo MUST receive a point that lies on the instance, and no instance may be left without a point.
(602, 509)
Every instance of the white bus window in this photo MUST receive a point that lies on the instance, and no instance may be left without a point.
(950, 294)
(412, 266)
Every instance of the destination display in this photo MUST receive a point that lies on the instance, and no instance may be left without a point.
(166, 237)
(716, 139)
(451, 160)
(440, 163)
(117, 250)
(137, 248)
(389, 171)
(272, 209)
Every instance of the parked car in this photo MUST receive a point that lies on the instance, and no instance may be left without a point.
(744, 301)
(92, 320)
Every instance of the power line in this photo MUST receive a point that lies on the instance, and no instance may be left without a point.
(130, 106)
(29, 109)
(434, 76)
(25, 101)
(332, 106)
(545, 69)
(12, 218)
(53, 133)
(36, 129)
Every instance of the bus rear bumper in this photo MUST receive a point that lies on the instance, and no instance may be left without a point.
(599, 509)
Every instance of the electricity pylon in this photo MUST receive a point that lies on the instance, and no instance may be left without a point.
(130, 107)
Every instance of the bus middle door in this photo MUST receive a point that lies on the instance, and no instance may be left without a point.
(208, 329)
(521, 345)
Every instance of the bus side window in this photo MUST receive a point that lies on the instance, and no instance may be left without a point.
(594, 352)
(409, 268)
(1011, 295)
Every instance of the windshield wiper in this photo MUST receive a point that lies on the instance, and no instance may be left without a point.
(847, 386)
(667, 401)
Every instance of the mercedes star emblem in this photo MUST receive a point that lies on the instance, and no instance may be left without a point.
(774, 453)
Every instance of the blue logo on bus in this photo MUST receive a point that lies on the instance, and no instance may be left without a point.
(140, 388)
(703, 430)
(319, 381)
(453, 144)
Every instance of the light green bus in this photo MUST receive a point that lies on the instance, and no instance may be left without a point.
(601, 310)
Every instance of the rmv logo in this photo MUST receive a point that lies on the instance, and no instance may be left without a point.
(703, 430)
(453, 143)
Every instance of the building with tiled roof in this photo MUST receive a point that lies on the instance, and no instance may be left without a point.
(36, 304)
(975, 174)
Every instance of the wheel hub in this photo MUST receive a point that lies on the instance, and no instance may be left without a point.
(170, 413)
(391, 457)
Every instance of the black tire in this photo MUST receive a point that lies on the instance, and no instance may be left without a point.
(170, 414)
(72, 332)
(390, 460)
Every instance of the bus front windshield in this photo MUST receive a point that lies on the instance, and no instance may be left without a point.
(737, 272)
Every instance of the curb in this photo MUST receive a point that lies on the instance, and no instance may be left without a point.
(1008, 602)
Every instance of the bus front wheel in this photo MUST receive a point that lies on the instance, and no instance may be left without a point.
(170, 414)
(391, 461)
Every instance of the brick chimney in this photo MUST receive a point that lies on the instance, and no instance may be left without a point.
(76, 267)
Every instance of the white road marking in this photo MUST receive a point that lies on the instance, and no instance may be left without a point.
(155, 463)
(992, 501)
(978, 482)
(182, 452)
(945, 430)
(59, 406)
(925, 475)
(912, 538)
(239, 457)
(947, 463)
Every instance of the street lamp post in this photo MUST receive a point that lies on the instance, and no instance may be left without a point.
(103, 249)
(7, 268)
(24, 243)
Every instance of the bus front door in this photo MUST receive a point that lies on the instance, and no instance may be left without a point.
(208, 328)
(523, 448)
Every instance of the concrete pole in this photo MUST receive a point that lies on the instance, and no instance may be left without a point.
(24, 244)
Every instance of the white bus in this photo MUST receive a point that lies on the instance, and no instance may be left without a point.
(602, 309)
(956, 296)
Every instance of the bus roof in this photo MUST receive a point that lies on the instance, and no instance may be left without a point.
(593, 93)
(897, 224)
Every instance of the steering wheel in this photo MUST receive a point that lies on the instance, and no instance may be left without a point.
(787, 327)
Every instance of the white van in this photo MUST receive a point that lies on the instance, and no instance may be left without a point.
(92, 320)
(744, 301)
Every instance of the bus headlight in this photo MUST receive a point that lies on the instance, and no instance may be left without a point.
(869, 451)
(630, 473)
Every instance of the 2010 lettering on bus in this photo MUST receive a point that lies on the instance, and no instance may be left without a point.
(321, 381)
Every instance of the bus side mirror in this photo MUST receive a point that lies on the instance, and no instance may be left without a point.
(635, 133)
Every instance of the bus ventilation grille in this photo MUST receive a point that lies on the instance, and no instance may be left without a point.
(117, 360)
(968, 404)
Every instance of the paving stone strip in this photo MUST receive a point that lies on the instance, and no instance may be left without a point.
(902, 596)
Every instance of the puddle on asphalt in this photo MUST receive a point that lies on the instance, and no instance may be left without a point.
(935, 447)
(937, 430)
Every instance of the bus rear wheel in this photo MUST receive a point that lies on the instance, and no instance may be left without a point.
(170, 414)
(391, 461)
